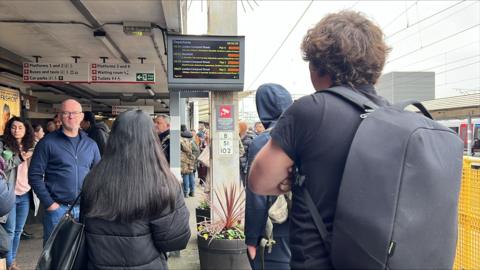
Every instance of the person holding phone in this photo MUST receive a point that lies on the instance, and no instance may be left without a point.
(16, 149)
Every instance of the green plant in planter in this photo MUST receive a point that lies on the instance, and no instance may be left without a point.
(230, 214)
(204, 204)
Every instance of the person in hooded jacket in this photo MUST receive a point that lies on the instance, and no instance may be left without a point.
(97, 131)
(246, 137)
(132, 204)
(272, 100)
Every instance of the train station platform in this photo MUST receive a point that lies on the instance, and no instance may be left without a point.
(30, 250)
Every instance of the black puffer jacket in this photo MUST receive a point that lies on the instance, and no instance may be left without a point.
(138, 245)
(99, 133)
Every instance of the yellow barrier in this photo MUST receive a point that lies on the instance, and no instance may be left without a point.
(468, 245)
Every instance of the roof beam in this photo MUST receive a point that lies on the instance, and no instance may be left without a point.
(96, 24)
(172, 15)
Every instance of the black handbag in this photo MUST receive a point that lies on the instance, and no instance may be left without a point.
(65, 248)
(4, 242)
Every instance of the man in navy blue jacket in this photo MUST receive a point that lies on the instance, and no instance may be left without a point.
(272, 100)
(60, 162)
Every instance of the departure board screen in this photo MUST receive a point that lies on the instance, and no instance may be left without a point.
(206, 62)
(195, 59)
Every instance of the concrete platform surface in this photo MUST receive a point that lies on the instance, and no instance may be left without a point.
(30, 250)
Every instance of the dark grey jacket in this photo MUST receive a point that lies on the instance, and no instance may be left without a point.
(137, 245)
(7, 197)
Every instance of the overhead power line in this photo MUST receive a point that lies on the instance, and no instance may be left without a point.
(426, 18)
(433, 43)
(440, 54)
(281, 44)
(435, 23)
(449, 63)
(410, 82)
(454, 82)
(399, 15)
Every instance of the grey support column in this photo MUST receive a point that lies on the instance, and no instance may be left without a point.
(224, 157)
(175, 133)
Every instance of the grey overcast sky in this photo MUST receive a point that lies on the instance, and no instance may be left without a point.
(439, 36)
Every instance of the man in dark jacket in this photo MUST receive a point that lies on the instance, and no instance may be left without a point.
(60, 162)
(272, 100)
(162, 125)
(99, 132)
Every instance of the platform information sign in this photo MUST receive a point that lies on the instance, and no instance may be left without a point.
(211, 63)
(122, 73)
(193, 59)
(55, 72)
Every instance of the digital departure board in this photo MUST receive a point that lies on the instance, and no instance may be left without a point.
(206, 62)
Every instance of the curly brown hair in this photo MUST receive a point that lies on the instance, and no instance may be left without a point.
(348, 47)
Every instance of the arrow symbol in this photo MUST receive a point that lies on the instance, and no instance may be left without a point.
(139, 77)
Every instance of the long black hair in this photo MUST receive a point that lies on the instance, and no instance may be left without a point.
(133, 179)
(28, 140)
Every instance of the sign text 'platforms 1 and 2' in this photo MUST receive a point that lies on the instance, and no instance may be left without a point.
(88, 73)
(207, 59)
(55, 72)
(125, 73)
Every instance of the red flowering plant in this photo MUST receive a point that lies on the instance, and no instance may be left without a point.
(229, 213)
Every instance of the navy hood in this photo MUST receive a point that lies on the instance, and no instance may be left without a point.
(272, 100)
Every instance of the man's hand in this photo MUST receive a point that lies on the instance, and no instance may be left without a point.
(252, 251)
(53, 207)
(271, 172)
(286, 184)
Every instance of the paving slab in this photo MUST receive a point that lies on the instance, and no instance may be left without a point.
(30, 250)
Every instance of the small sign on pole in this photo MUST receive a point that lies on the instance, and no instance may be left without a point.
(226, 143)
(225, 117)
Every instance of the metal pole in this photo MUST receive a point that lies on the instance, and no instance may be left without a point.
(469, 135)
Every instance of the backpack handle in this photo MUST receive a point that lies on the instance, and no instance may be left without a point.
(403, 104)
(350, 95)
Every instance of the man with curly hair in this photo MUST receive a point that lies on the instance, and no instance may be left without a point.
(315, 133)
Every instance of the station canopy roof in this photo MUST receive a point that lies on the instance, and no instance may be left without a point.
(57, 30)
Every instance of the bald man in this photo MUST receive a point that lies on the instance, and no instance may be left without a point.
(60, 162)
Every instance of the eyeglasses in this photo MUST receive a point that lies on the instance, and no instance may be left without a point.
(71, 114)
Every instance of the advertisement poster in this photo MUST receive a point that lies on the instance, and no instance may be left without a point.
(9, 106)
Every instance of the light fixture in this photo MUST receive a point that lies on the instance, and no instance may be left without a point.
(150, 91)
(137, 28)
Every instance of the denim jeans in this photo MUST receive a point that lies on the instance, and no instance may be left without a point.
(188, 181)
(51, 219)
(15, 222)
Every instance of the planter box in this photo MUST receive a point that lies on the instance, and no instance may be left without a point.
(222, 254)
(202, 214)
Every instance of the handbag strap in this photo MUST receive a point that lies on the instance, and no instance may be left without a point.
(69, 211)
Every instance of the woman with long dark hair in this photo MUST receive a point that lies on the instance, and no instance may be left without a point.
(132, 205)
(16, 149)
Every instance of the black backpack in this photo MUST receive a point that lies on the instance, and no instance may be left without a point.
(397, 204)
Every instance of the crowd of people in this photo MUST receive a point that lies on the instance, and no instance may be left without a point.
(131, 201)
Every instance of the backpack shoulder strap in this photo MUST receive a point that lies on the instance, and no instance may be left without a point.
(350, 95)
(317, 219)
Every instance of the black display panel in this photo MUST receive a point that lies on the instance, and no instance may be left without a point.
(206, 62)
